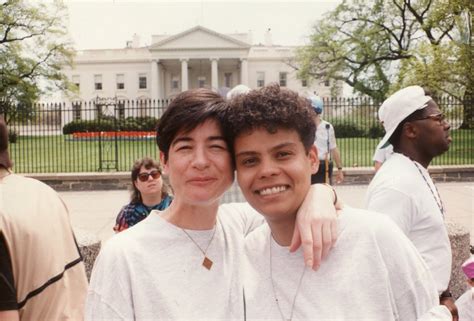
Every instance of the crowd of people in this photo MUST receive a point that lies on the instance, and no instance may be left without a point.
(293, 252)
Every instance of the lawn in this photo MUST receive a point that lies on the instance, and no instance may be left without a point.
(60, 154)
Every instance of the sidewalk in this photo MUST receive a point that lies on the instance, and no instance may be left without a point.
(95, 211)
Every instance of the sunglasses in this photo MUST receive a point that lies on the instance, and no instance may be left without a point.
(143, 177)
(440, 118)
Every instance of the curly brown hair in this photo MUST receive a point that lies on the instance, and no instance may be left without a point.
(270, 107)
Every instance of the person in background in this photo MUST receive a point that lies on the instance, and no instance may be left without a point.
(373, 273)
(381, 155)
(465, 303)
(42, 275)
(403, 190)
(237, 90)
(149, 192)
(325, 143)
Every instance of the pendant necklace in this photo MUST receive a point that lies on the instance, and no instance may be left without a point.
(290, 318)
(206, 262)
(438, 200)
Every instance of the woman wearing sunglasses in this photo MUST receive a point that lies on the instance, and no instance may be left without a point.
(148, 193)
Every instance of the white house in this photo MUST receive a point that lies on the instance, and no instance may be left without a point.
(197, 57)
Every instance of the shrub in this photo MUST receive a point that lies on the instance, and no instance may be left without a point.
(376, 131)
(347, 128)
(111, 124)
(12, 136)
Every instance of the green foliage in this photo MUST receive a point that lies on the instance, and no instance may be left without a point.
(376, 131)
(33, 50)
(379, 46)
(12, 136)
(348, 128)
(111, 124)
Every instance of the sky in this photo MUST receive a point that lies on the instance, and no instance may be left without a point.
(103, 24)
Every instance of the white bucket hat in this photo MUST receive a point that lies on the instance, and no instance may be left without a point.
(399, 106)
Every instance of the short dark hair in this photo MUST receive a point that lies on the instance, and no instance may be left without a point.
(270, 107)
(188, 110)
(397, 134)
(148, 163)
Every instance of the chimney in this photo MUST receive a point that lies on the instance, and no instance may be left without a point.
(250, 37)
(268, 38)
(135, 41)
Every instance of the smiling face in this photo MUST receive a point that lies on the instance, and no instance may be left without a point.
(199, 165)
(273, 171)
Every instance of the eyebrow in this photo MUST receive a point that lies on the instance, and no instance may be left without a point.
(189, 139)
(277, 147)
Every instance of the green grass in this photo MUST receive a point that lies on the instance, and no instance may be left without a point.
(50, 154)
(356, 152)
(57, 154)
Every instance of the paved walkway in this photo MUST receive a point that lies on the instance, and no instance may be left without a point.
(95, 211)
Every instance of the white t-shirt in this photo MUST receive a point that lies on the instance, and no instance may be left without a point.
(373, 273)
(382, 154)
(323, 135)
(400, 191)
(465, 305)
(153, 271)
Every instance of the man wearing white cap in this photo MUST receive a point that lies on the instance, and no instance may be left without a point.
(403, 188)
(465, 303)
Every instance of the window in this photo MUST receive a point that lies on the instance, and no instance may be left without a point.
(76, 80)
(260, 79)
(98, 82)
(304, 82)
(327, 83)
(228, 79)
(283, 79)
(120, 81)
(142, 81)
(175, 82)
(201, 82)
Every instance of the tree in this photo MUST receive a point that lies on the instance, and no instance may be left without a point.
(33, 50)
(380, 45)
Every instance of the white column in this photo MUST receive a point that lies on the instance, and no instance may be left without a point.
(184, 74)
(244, 72)
(154, 79)
(214, 74)
(159, 93)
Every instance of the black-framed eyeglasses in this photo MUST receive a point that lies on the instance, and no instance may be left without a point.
(143, 177)
(439, 117)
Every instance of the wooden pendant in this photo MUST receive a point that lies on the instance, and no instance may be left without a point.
(207, 263)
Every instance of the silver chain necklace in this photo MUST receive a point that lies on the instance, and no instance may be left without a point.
(274, 291)
(440, 202)
(207, 262)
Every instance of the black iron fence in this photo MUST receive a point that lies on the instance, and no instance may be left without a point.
(109, 134)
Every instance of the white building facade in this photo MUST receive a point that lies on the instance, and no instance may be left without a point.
(195, 58)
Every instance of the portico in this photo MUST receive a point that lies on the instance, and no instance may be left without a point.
(198, 57)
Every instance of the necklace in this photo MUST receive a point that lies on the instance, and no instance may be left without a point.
(440, 202)
(274, 291)
(207, 262)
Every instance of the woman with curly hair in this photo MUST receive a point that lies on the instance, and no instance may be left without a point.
(149, 192)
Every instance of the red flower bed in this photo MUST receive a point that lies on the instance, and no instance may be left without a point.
(113, 134)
